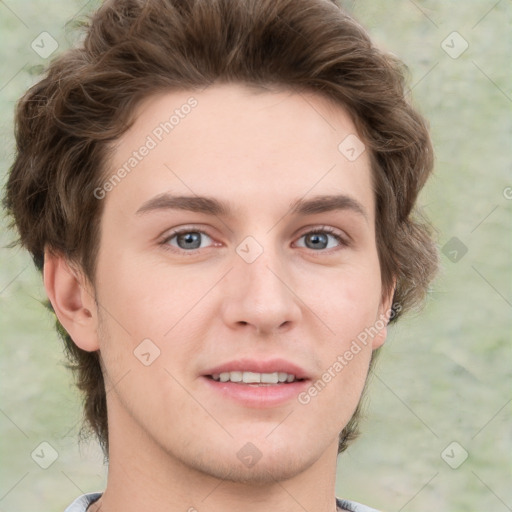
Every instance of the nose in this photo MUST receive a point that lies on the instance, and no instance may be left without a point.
(260, 295)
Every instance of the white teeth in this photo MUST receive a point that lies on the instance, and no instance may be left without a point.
(251, 377)
(254, 377)
(269, 378)
(235, 376)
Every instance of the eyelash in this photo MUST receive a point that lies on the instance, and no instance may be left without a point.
(321, 230)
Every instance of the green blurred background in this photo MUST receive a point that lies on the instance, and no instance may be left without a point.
(444, 376)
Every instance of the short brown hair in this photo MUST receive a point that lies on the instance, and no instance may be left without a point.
(66, 123)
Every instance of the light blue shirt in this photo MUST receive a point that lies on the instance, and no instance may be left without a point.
(81, 504)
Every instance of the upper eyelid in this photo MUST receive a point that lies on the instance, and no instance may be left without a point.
(168, 234)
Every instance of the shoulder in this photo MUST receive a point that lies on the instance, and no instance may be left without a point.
(353, 506)
(82, 502)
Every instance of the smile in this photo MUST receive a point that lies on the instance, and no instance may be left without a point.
(246, 377)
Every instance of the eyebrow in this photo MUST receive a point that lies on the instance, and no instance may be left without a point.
(211, 206)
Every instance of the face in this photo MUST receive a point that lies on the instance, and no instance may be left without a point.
(240, 245)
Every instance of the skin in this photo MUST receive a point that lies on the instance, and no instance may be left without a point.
(173, 439)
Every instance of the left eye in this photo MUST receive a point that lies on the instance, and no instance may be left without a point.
(321, 240)
(187, 239)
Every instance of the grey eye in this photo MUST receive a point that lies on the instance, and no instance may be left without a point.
(188, 239)
(320, 240)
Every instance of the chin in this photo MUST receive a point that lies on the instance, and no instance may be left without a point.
(258, 463)
(264, 472)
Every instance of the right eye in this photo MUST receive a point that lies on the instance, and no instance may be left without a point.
(186, 239)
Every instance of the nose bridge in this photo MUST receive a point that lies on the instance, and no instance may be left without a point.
(261, 278)
(259, 292)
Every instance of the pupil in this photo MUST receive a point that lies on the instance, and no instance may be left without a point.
(191, 240)
(317, 239)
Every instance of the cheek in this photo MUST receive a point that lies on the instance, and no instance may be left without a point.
(347, 300)
(138, 297)
(145, 308)
(350, 311)
(332, 398)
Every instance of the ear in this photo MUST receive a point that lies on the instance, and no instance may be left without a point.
(384, 316)
(72, 298)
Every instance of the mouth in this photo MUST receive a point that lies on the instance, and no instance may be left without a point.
(255, 383)
(255, 378)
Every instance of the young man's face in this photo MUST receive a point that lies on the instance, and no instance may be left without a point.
(246, 289)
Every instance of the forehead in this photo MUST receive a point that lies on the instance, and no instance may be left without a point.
(248, 148)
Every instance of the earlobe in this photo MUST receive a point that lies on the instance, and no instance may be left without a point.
(72, 300)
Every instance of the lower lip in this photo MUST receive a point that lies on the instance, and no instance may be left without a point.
(259, 397)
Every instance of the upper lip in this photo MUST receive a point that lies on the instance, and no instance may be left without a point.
(259, 366)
